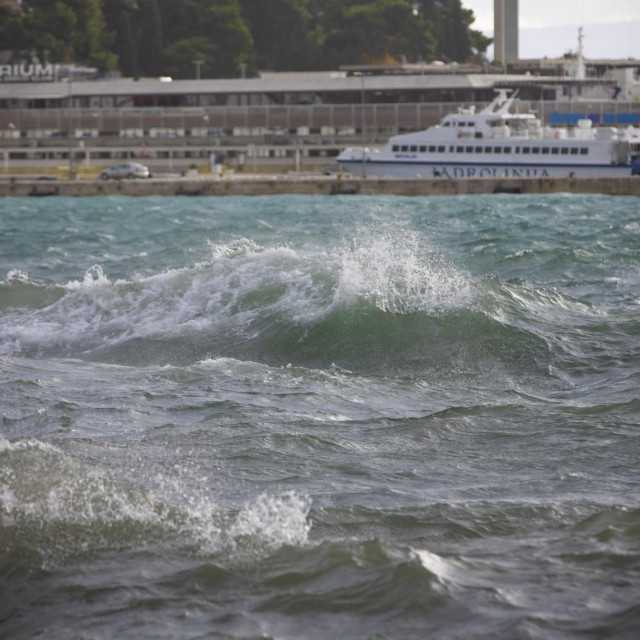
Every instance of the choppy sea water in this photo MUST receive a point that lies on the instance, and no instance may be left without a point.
(320, 417)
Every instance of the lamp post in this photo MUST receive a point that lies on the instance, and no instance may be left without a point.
(71, 123)
(363, 124)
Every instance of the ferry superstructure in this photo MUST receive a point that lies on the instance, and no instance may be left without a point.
(497, 143)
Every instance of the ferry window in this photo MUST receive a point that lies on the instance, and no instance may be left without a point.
(447, 124)
(507, 149)
(441, 149)
(545, 151)
(413, 148)
(404, 147)
(451, 148)
(459, 149)
(555, 151)
(535, 150)
(469, 149)
(395, 148)
(432, 148)
(471, 124)
(584, 151)
(517, 149)
(488, 149)
(526, 149)
(497, 149)
(564, 151)
(574, 151)
(478, 149)
(422, 148)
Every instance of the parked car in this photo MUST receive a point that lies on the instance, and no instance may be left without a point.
(125, 170)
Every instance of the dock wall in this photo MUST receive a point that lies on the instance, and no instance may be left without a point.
(319, 185)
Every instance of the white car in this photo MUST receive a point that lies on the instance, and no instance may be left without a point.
(126, 170)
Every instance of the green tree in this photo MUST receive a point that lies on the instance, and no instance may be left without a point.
(70, 31)
(378, 31)
(151, 38)
(120, 19)
(13, 35)
(452, 27)
(211, 30)
(282, 34)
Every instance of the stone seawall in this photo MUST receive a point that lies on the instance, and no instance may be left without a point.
(318, 185)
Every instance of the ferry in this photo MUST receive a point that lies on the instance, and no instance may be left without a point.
(495, 143)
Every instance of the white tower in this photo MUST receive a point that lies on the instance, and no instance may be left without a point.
(505, 27)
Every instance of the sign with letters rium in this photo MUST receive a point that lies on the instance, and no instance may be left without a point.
(28, 72)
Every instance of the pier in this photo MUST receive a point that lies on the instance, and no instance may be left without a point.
(315, 184)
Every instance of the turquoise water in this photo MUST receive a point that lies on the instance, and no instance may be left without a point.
(319, 417)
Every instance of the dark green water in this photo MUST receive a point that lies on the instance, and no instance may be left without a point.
(320, 417)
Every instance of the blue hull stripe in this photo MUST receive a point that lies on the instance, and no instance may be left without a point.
(488, 165)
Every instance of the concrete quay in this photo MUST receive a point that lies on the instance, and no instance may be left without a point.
(255, 185)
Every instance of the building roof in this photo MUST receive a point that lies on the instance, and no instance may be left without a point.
(269, 83)
(313, 82)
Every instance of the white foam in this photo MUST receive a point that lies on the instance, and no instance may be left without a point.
(400, 273)
(42, 488)
(16, 275)
(436, 565)
(274, 521)
(240, 290)
(93, 277)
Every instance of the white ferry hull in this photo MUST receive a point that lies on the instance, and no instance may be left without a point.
(496, 143)
(470, 170)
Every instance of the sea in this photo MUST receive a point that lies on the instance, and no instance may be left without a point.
(320, 417)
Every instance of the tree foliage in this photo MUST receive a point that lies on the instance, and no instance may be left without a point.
(165, 37)
(63, 32)
(379, 31)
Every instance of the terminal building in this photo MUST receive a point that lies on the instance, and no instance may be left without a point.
(59, 115)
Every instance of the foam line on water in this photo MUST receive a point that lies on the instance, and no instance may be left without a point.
(60, 507)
